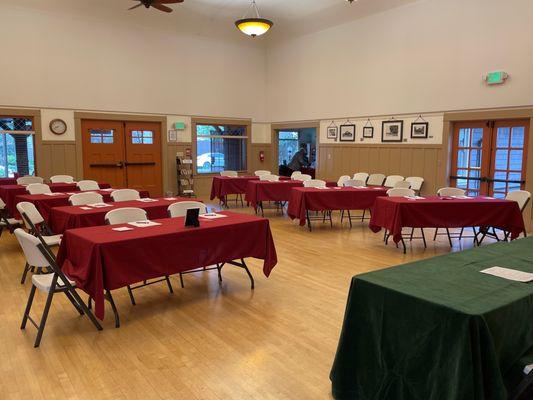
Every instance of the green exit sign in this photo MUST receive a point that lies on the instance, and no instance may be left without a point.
(179, 126)
(496, 78)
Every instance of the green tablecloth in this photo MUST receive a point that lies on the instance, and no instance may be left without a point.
(437, 329)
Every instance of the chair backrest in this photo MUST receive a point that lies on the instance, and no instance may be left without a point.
(402, 184)
(125, 215)
(315, 183)
(270, 178)
(30, 247)
(416, 182)
(26, 180)
(2, 204)
(180, 209)
(61, 179)
(361, 176)
(522, 197)
(229, 173)
(262, 172)
(29, 211)
(80, 199)
(392, 179)
(38, 188)
(125, 195)
(354, 183)
(295, 174)
(450, 191)
(343, 179)
(400, 192)
(375, 179)
(88, 185)
(303, 177)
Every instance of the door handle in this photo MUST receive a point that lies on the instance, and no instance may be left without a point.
(118, 164)
(139, 163)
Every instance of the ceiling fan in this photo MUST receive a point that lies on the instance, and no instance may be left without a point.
(159, 4)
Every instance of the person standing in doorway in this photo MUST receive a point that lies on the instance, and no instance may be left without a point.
(299, 160)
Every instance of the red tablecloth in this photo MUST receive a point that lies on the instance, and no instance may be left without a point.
(8, 181)
(395, 213)
(8, 193)
(71, 217)
(45, 203)
(346, 198)
(224, 185)
(257, 191)
(99, 258)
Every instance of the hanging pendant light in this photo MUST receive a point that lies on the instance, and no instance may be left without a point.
(255, 25)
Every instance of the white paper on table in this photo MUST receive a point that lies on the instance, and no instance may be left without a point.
(171, 198)
(419, 197)
(53, 194)
(212, 216)
(144, 224)
(123, 229)
(86, 208)
(146, 200)
(488, 198)
(462, 197)
(413, 198)
(510, 274)
(336, 187)
(99, 205)
(108, 190)
(322, 188)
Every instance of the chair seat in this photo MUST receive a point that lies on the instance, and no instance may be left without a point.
(11, 221)
(528, 369)
(43, 282)
(54, 240)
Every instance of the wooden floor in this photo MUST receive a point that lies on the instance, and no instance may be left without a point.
(205, 341)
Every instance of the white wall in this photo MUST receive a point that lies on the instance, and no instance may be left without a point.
(51, 60)
(261, 133)
(47, 115)
(424, 57)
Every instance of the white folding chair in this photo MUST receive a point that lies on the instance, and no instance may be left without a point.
(88, 185)
(26, 180)
(522, 197)
(38, 188)
(416, 183)
(391, 180)
(269, 178)
(524, 389)
(448, 192)
(295, 174)
(361, 176)
(232, 174)
(405, 192)
(5, 220)
(34, 222)
(303, 177)
(343, 179)
(125, 195)
(262, 172)
(180, 209)
(61, 179)
(81, 199)
(124, 216)
(375, 180)
(353, 183)
(55, 282)
(315, 183)
(402, 185)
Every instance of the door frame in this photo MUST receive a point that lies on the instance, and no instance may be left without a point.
(288, 126)
(79, 116)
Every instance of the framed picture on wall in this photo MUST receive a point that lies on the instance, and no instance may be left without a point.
(392, 131)
(332, 132)
(419, 130)
(368, 132)
(347, 133)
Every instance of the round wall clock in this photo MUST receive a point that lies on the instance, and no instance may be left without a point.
(58, 126)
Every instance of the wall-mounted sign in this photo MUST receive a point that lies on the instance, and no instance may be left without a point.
(496, 77)
(179, 126)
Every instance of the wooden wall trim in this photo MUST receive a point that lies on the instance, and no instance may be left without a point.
(524, 113)
(384, 146)
(119, 117)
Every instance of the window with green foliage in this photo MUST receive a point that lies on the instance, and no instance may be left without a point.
(220, 147)
(16, 146)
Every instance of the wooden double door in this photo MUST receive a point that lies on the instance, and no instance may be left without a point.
(123, 154)
(489, 157)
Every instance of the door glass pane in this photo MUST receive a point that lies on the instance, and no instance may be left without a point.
(515, 162)
(142, 137)
(462, 183)
(499, 195)
(462, 158)
(475, 159)
(517, 136)
(477, 137)
(101, 136)
(503, 137)
(501, 159)
(464, 137)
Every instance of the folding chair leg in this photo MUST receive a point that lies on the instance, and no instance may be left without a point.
(449, 237)
(28, 307)
(308, 220)
(113, 307)
(86, 310)
(330, 219)
(342, 216)
(26, 269)
(219, 270)
(412, 234)
(171, 290)
(74, 302)
(435, 235)
(349, 218)
(42, 324)
(363, 216)
(404, 247)
(130, 292)
(181, 280)
(461, 233)
(262, 209)
(423, 237)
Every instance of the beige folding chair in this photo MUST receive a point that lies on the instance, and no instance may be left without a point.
(449, 192)
(61, 179)
(375, 180)
(269, 178)
(262, 172)
(81, 199)
(6, 221)
(295, 174)
(361, 176)
(125, 195)
(353, 183)
(238, 196)
(88, 185)
(392, 180)
(343, 179)
(416, 183)
(55, 282)
(402, 185)
(26, 180)
(303, 177)
(232, 174)
(524, 390)
(38, 188)
(317, 183)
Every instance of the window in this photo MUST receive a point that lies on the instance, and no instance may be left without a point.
(287, 146)
(220, 147)
(142, 137)
(16, 146)
(102, 136)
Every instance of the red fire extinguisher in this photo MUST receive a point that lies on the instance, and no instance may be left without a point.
(261, 156)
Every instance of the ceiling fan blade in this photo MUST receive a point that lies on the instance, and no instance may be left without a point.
(138, 5)
(161, 7)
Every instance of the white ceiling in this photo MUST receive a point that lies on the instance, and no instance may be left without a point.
(207, 17)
